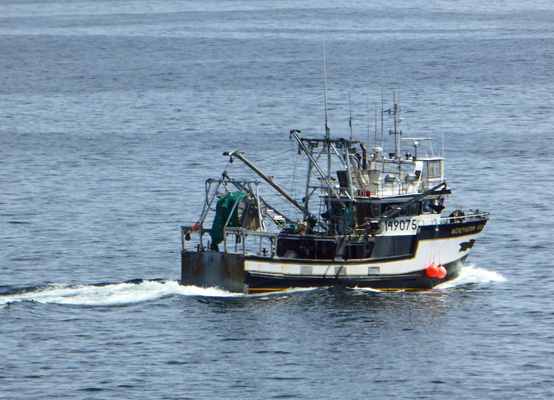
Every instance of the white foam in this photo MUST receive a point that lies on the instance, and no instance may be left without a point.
(134, 293)
(285, 292)
(368, 290)
(110, 295)
(470, 274)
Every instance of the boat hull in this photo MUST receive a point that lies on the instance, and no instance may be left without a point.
(446, 244)
(417, 280)
(229, 272)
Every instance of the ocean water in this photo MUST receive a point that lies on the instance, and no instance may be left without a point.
(113, 114)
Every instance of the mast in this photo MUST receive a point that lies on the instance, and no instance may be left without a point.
(399, 109)
(375, 141)
(349, 97)
(314, 164)
(442, 132)
(348, 164)
(308, 180)
(394, 132)
(327, 131)
(397, 133)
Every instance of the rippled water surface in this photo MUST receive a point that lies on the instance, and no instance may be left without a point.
(112, 115)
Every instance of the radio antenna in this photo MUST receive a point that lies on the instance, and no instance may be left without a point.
(327, 132)
(442, 131)
(399, 109)
(349, 96)
(399, 71)
(382, 110)
(367, 105)
(375, 142)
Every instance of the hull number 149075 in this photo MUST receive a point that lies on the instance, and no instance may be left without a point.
(401, 225)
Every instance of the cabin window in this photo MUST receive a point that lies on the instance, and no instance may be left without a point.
(385, 208)
(432, 206)
(414, 209)
(369, 210)
(433, 169)
(425, 207)
(375, 210)
(343, 179)
(366, 211)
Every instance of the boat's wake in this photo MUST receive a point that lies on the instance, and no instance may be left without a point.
(118, 294)
(140, 291)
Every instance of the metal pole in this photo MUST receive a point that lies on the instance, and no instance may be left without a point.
(325, 178)
(268, 180)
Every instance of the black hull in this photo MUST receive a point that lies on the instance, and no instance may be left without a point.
(260, 283)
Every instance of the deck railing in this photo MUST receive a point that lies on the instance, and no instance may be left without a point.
(244, 240)
(460, 218)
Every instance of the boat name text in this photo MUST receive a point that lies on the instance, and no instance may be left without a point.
(467, 229)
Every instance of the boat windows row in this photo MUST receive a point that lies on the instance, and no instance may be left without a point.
(375, 210)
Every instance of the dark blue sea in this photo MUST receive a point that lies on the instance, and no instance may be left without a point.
(114, 113)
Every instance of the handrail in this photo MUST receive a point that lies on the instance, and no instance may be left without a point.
(477, 216)
(244, 233)
(238, 231)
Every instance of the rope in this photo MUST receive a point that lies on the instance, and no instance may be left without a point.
(293, 181)
(438, 250)
(460, 204)
(276, 155)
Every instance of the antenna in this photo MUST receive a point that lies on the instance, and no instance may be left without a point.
(397, 132)
(375, 126)
(327, 132)
(382, 110)
(367, 104)
(442, 133)
(349, 97)
(399, 109)
(399, 70)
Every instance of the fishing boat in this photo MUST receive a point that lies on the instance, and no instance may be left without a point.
(368, 219)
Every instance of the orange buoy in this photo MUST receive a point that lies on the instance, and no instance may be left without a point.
(432, 271)
(441, 273)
